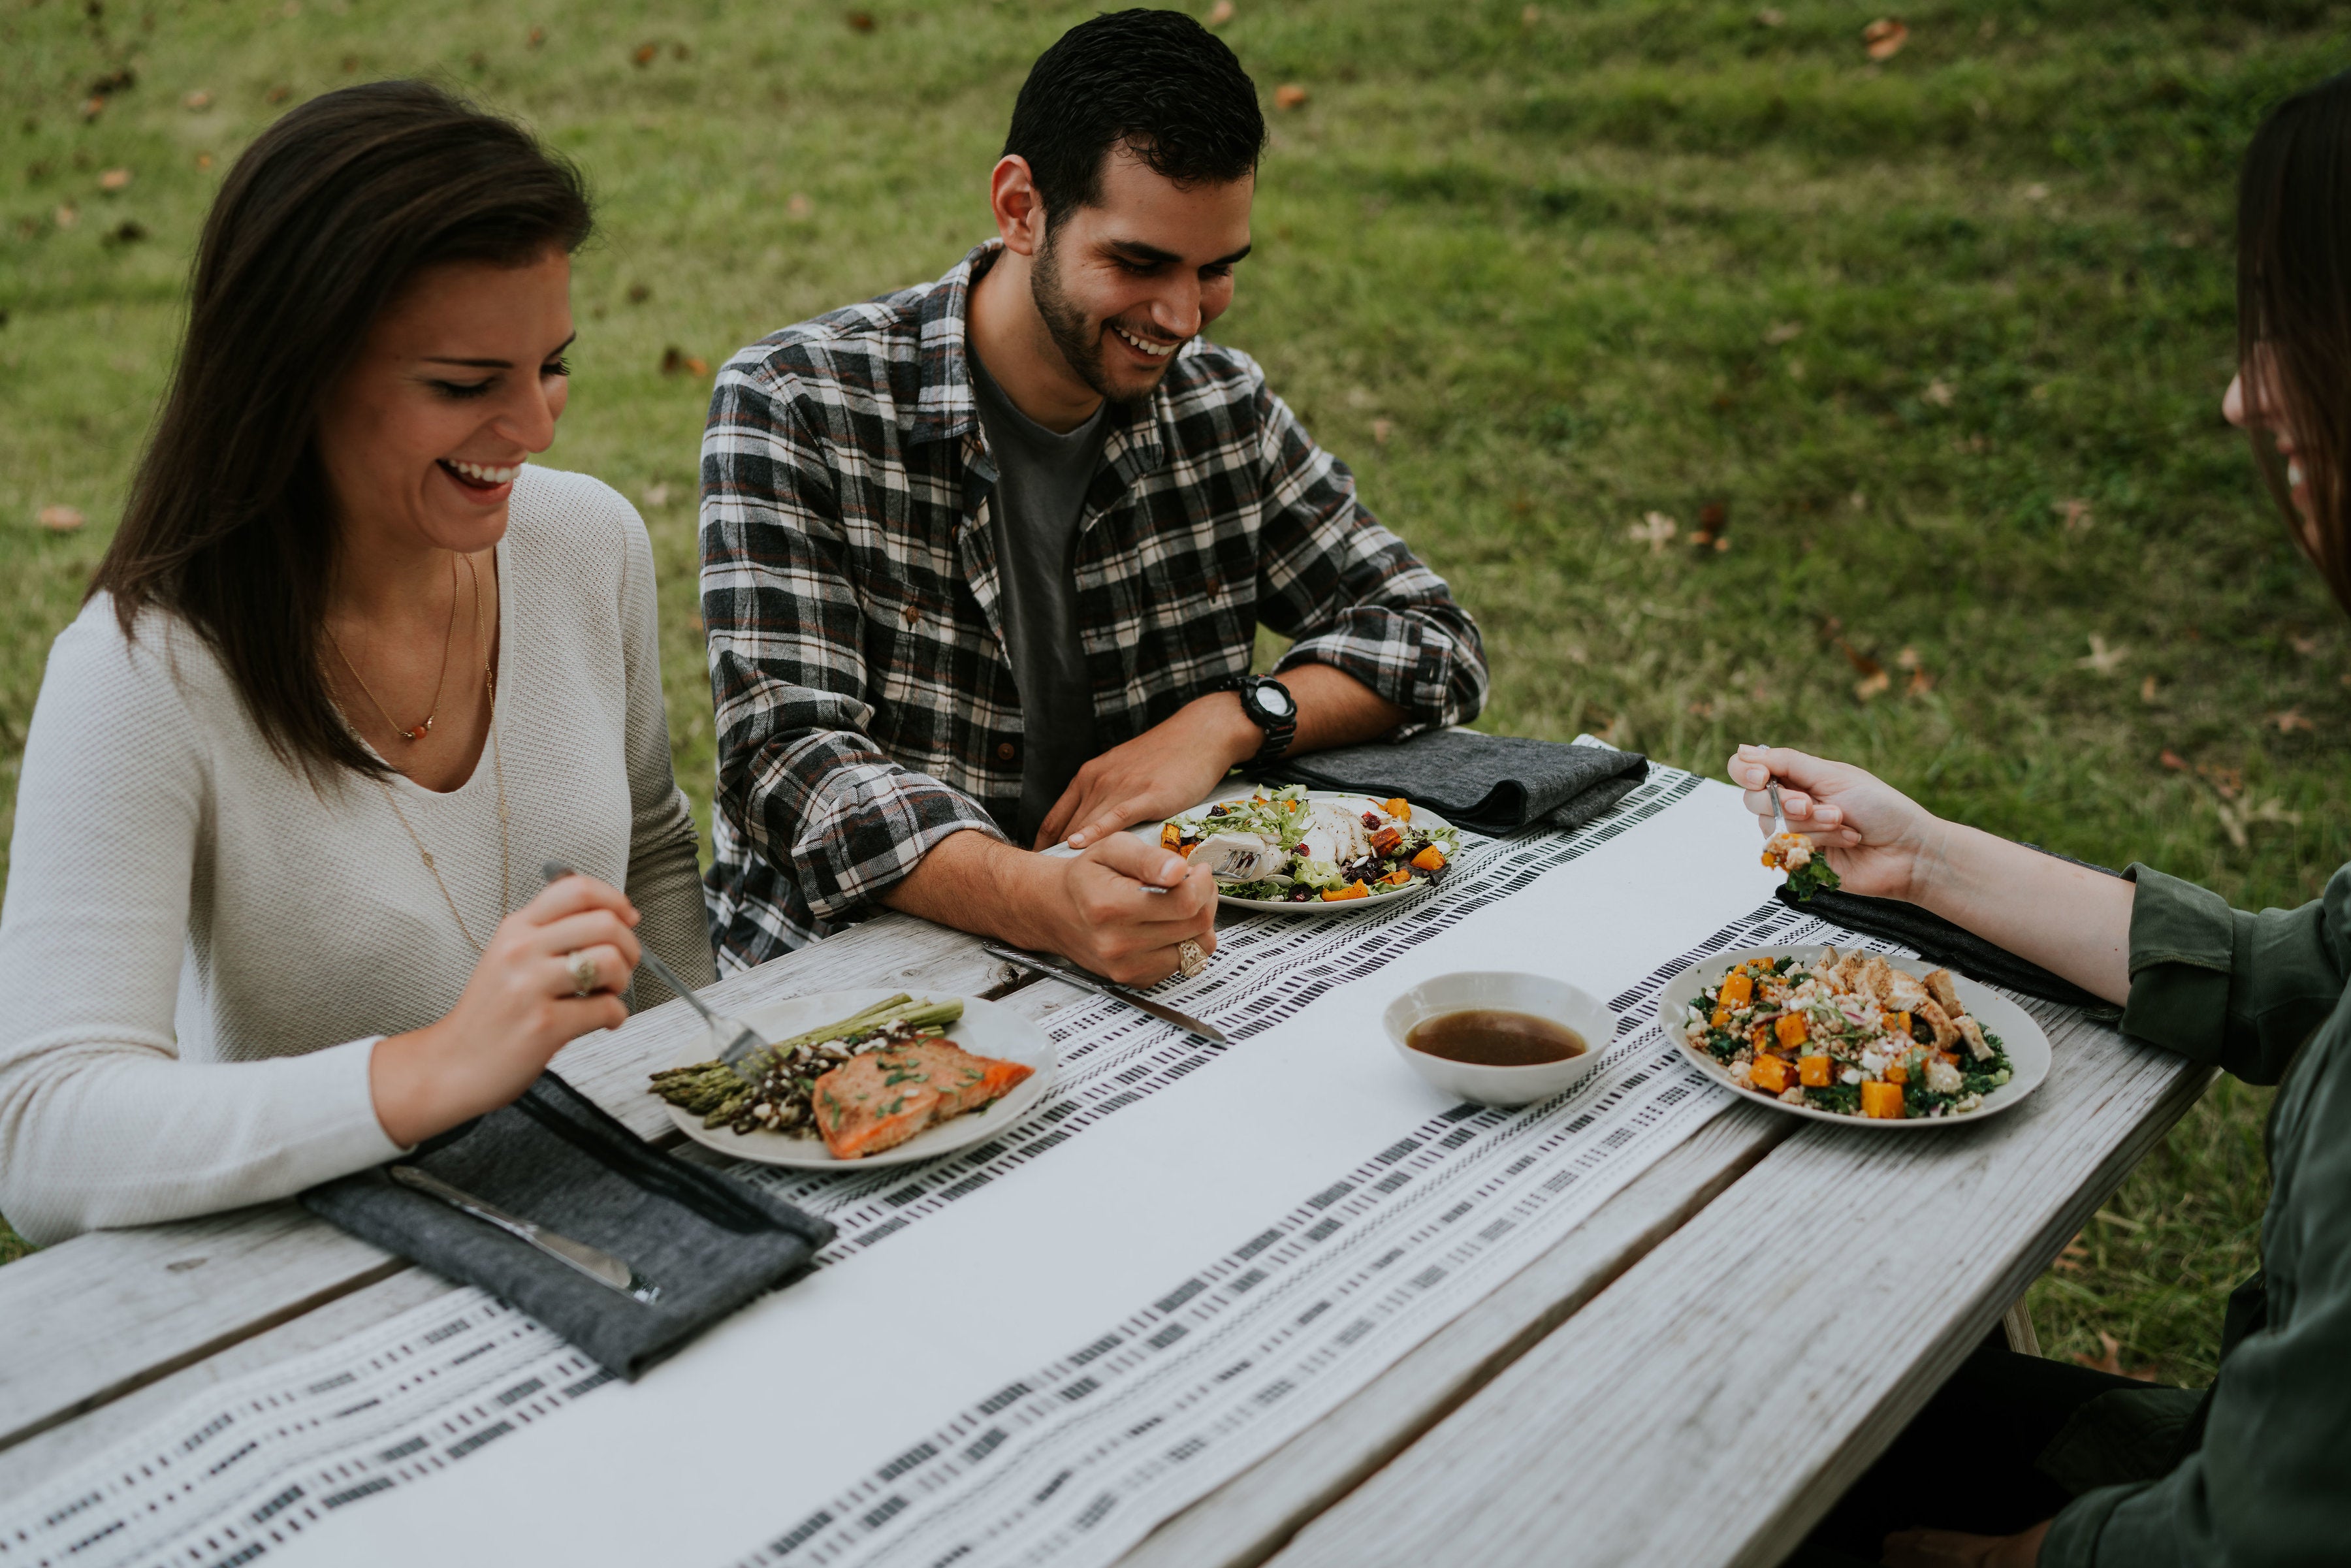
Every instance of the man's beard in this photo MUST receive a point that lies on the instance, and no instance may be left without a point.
(1067, 325)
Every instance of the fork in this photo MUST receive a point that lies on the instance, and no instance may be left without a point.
(1779, 816)
(741, 1039)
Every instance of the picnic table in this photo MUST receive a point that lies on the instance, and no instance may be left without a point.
(1623, 1388)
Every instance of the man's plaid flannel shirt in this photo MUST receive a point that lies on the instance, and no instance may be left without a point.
(866, 707)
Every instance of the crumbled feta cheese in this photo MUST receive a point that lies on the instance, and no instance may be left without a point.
(1792, 1096)
(1743, 1074)
(1942, 1078)
(1850, 1075)
(1872, 1063)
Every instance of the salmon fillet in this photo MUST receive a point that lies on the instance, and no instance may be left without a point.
(879, 1099)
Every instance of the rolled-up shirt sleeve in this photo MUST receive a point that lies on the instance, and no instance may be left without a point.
(1351, 594)
(2237, 990)
(797, 770)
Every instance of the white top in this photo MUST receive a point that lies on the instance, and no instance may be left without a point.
(199, 949)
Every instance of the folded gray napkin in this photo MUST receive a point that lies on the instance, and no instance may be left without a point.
(1489, 783)
(553, 1158)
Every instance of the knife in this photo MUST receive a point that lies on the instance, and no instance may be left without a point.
(1086, 980)
(593, 1262)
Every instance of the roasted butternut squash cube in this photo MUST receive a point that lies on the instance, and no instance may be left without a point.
(1769, 1074)
(1430, 859)
(1790, 1030)
(1385, 840)
(1399, 808)
(1352, 890)
(1737, 989)
(1882, 1100)
(1896, 1074)
(1397, 877)
(1899, 1022)
(1814, 1072)
(1170, 836)
(1721, 1019)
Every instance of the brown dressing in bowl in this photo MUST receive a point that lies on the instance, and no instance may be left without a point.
(1495, 1037)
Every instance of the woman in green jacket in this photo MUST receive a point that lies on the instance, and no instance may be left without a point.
(2258, 1470)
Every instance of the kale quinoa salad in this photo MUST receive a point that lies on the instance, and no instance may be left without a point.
(1853, 1035)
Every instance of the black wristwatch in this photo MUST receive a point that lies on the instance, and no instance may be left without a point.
(1271, 708)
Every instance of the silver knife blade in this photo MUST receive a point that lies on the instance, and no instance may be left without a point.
(593, 1262)
(1086, 980)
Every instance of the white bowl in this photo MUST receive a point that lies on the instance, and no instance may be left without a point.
(1566, 1005)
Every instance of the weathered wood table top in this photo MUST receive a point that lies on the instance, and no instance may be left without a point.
(1637, 1395)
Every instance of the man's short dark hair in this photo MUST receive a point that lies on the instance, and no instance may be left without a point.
(1157, 81)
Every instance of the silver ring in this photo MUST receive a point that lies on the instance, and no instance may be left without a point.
(1190, 958)
(582, 965)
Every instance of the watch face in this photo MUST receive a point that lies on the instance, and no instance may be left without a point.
(1274, 699)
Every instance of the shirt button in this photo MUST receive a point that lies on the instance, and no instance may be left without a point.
(1006, 751)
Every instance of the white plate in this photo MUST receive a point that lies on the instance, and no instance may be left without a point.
(985, 1029)
(2027, 1047)
(1421, 816)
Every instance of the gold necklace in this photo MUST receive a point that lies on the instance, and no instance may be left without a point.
(498, 770)
(448, 636)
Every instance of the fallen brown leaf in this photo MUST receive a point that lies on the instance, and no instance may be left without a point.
(2171, 759)
(204, 160)
(1919, 683)
(675, 360)
(538, 36)
(1784, 332)
(800, 206)
(2290, 720)
(656, 494)
(1381, 429)
(1861, 661)
(1885, 38)
(861, 21)
(1529, 17)
(1220, 12)
(2227, 782)
(1655, 529)
(2072, 1259)
(1290, 95)
(65, 216)
(1713, 526)
(2101, 659)
(639, 293)
(1938, 393)
(2146, 690)
(645, 54)
(2305, 646)
(2111, 1362)
(92, 107)
(1871, 685)
(1770, 16)
(1907, 659)
(60, 519)
(2076, 514)
(114, 180)
(198, 101)
(279, 93)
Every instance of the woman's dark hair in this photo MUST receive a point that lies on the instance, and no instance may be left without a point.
(323, 220)
(2293, 309)
(1157, 81)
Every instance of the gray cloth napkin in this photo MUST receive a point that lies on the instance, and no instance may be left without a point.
(554, 1157)
(1489, 783)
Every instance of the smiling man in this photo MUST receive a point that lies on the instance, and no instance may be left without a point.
(984, 561)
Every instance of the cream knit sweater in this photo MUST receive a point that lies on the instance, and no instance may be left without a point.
(200, 950)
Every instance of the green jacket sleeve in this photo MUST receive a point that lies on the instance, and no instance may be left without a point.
(2271, 1483)
(2239, 991)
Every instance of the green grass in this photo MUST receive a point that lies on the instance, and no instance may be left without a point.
(1534, 279)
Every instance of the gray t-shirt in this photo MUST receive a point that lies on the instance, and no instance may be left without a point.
(1040, 492)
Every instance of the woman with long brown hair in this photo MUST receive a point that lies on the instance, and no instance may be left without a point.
(349, 670)
(2021, 1462)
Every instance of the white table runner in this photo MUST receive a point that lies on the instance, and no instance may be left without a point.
(1037, 1351)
